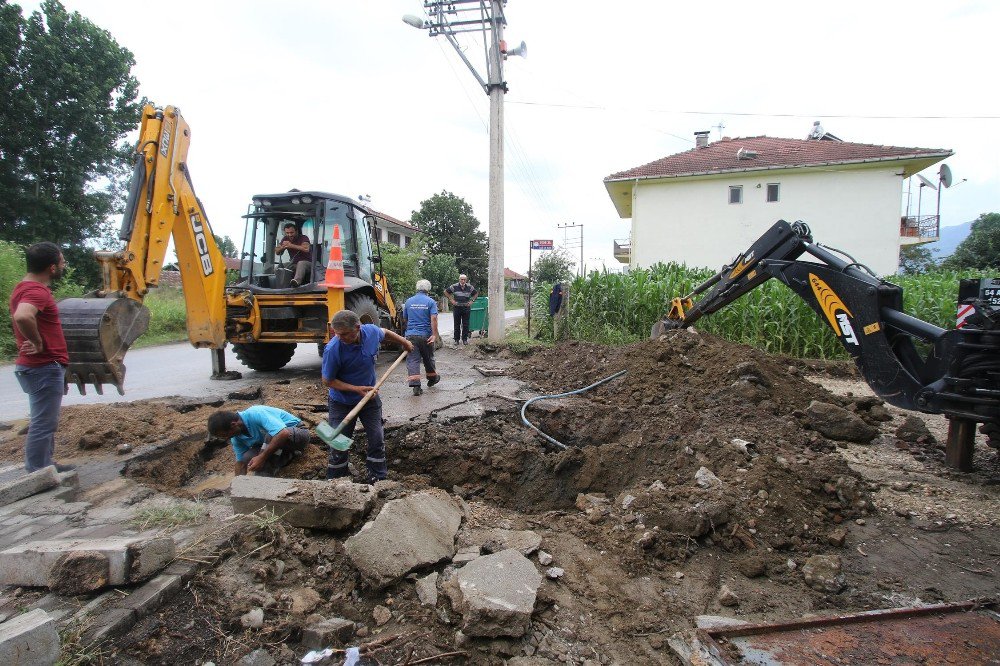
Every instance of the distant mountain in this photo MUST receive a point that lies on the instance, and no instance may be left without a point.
(949, 240)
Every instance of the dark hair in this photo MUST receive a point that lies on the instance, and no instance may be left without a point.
(220, 422)
(289, 224)
(42, 255)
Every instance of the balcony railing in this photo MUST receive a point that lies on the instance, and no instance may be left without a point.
(924, 227)
(623, 250)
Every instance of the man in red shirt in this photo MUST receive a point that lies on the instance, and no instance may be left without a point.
(299, 256)
(42, 358)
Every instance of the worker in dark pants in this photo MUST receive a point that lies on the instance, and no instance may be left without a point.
(461, 295)
(421, 314)
(349, 372)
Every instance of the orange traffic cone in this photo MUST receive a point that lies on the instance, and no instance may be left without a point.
(335, 266)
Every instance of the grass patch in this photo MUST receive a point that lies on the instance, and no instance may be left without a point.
(168, 317)
(171, 515)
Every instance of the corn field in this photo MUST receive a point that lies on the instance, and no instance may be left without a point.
(620, 308)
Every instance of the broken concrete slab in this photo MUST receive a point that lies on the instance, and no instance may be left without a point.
(466, 554)
(495, 540)
(327, 505)
(495, 594)
(151, 596)
(129, 559)
(415, 531)
(824, 573)
(427, 591)
(326, 633)
(29, 639)
(28, 485)
(837, 423)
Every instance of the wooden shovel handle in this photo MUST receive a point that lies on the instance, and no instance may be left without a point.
(357, 408)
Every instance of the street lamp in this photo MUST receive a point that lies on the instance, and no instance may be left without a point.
(449, 18)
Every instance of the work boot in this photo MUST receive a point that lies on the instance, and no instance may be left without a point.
(465, 342)
(417, 390)
(431, 381)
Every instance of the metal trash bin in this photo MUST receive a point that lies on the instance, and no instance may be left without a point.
(478, 316)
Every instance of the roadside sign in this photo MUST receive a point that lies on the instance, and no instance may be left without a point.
(541, 245)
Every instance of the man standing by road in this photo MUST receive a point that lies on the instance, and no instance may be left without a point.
(298, 246)
(421, 314)
(349, 372)
(461, 295)
(42, 356)
(264, 439)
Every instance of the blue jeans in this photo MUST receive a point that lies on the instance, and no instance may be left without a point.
(45, 386)
(371, 417)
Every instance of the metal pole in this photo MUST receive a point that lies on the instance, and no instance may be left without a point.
(581, 251)
(496, 91)
(527, 308)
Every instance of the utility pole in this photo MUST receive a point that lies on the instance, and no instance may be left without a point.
(571, 243)
(450, 18)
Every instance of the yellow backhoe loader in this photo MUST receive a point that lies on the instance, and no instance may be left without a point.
(264, 314)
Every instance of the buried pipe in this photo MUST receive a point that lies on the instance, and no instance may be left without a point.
(562, 395)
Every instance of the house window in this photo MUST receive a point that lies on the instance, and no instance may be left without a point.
(735, 194)
(773, 189)
(394, 239)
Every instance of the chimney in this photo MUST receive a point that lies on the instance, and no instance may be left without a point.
(701, 139)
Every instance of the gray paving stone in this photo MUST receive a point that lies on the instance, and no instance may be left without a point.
(495, 594)
(326, 505)
(28, 485)
(150, 596)
(129, 559)
(110, 623)
(29, 639)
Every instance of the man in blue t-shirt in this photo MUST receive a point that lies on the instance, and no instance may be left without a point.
(349, 372)
(421, 314)
(264, 439)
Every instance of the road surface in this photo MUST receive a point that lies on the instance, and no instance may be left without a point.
(179, 369)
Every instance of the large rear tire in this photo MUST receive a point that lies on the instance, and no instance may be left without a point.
(264, 356)
(363, 306)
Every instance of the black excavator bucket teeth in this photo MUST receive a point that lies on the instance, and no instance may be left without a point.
(98, 333)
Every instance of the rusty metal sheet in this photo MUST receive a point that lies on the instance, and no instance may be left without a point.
(963, 634)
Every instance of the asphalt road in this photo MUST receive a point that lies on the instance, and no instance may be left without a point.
(178, 369)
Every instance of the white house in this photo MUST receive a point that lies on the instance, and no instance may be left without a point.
(392, 231)
(704, 206)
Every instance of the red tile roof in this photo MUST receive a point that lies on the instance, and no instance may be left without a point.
(512, 275)
(390, 218)
(772, 153)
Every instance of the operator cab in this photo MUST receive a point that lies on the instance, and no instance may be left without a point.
(314, 214)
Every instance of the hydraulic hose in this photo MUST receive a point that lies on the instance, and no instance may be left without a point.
(562, 395)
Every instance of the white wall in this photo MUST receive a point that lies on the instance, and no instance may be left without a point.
(692, 222)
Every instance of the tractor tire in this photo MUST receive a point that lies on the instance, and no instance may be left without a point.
(264, 356)
(363, 306)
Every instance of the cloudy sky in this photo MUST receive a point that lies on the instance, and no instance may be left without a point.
(342, 96)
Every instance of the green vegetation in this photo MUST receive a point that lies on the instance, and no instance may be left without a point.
(449, 227)
(981, 248)
(171, 515)
(513, 300)
(168, 317)
(621, 308)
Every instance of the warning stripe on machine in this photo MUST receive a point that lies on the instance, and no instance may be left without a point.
(964, 312)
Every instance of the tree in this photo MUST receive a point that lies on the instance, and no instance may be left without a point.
(555, 266)
(69, 100)
(450, 228)
(981, 248)
(442, 271)
(915, 259)
(226, 246)
(402, 270)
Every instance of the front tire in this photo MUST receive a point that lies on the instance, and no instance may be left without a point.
(363, 306)
(264, 356)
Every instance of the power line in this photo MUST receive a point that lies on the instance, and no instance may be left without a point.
(750, 113)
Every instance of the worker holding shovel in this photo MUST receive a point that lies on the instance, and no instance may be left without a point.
(349, 372)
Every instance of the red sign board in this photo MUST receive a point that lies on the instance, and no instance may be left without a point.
(541, 245)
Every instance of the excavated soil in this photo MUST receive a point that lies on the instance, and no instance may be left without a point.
(701, 468)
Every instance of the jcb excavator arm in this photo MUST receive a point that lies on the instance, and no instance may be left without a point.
(101, 326)
(958, 377)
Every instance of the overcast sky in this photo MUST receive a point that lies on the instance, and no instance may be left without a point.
(343, 96)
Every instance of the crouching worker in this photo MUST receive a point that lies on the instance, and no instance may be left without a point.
(349, 372)
(264, 439)
(421, 314)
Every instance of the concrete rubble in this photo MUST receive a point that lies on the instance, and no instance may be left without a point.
(427, 591)
(408, 533)
(324, 505)
(29, 639)
(85, 564)
(839, 424)
(37, 482)
(824, 573)
(324, 633)
(495, 540)
(495, 594)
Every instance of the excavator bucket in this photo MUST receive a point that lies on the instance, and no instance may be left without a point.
(98, 333)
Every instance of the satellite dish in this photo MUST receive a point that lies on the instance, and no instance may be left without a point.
(925, 183)
(944, 174)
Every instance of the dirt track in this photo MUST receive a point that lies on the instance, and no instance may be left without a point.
(645, 547)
